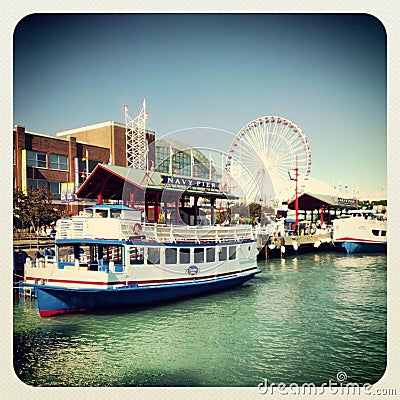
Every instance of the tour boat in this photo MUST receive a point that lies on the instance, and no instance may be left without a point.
(361, 231)
(112, 256)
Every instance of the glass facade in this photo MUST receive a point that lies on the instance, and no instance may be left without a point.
(181, 163)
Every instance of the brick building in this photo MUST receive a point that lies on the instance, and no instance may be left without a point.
(110, 135)
(63, 162)
(52, 161)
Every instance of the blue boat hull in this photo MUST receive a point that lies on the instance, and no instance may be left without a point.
(57, 300)
(363, 247)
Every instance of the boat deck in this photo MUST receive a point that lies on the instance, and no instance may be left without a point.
(128, 229)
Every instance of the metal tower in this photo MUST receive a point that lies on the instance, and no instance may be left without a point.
(136, 143)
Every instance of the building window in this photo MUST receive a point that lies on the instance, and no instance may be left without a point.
(58, 161)
(35, 183)
(162, 159)
(92, 164)
(55, 189)
(36, 159)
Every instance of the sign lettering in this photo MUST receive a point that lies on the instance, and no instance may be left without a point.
(189, 182)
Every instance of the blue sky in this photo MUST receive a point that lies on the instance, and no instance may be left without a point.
(325, 72)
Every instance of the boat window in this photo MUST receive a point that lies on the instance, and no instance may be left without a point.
(222, 253)
(210, 254)
(153, 255)
(170, 255)
(101, 213)
(113, 253)
(232, 252)
(375, 232)
(64, 252)
(198, 255)
(383, 233)
(87, 212)
(184, 256)
(115, 213)
(136, 255)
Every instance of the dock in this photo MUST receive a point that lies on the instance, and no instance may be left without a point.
(27, 247)
(288, 244)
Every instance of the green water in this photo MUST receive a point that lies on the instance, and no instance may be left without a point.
(302, 319)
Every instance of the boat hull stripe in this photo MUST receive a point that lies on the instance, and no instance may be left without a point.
(54, 301)
(144, 282)
(350, 239)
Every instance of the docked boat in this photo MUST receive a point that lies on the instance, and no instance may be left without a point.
(360, 231)
(114, 255)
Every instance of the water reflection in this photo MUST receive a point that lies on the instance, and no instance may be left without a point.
(302, 319)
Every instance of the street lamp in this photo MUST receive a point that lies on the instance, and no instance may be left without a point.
(296, 179)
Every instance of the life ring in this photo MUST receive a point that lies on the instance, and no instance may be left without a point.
(137, 228)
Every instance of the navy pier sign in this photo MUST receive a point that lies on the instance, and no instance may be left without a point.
(189, 182)
(346, 202)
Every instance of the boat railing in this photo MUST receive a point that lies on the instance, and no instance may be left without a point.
(95, 228)
(197, 234)
(266, 230)
(123, 229)
(42, 262)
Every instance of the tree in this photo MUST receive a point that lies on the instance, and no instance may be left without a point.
(255, 212)
(34, 209)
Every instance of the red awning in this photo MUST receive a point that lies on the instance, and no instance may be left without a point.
(108, 183)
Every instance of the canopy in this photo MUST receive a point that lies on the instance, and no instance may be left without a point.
(310, 202)
(112, 182)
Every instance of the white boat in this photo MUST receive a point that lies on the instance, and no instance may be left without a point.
(109, 257)
(360, 231)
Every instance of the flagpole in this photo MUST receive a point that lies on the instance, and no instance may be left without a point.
(211, 160)
(170, 160)
(191, 163)
(87, 163)
(144, 130)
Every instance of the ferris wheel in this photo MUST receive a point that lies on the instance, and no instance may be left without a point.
(263, 154)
